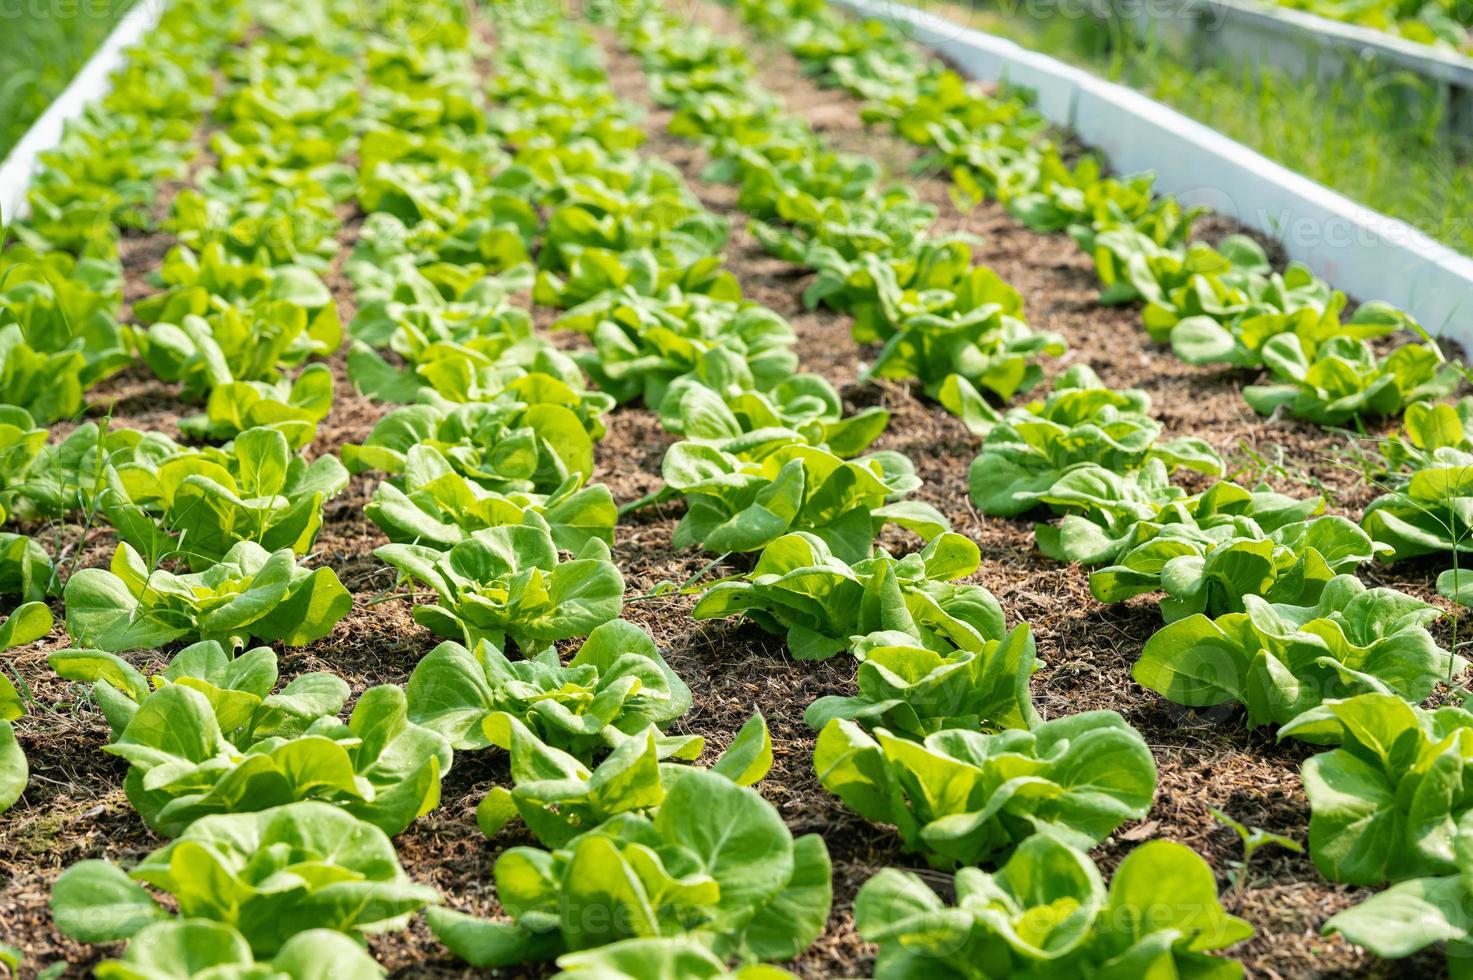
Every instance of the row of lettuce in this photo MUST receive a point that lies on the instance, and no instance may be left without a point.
(209, 536)
(487, 467)
(1261, 604)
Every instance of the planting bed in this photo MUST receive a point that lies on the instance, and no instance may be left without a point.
(74, 807)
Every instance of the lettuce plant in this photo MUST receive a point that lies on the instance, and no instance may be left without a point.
(594, 271)
(407, 307)
(492, 238)
(1344, 379)
(884, 222)
(1047, 912)
(634, 959)
(249, 593)
(1048, 194)
(967, 797)
(1213, 569)
(643, 343)
(59, 333)
(200, 504)
(21, 444)
(271, 875)
(1295, 303)
(1421, 912)
(25, 567)
(64, 478)
(415, 313)
(1177, 280)
(103, 175)
(439, 508)
(949, 324)
(506, 583)
(292, 408)
(1429, 513)
(877, 291)
(715, 865)
(735, 505)
(558, 797)
(257, 221)
(28, 623)
(798, 589)
(1280, 659)
(506, 366)
(1385, 804)
(219, 320)
(181, 949)
(718, 408)
(248, 748)
(1107, 515)
(912, 691)
(1222, 305)
(777, 154)
(430, 199)
(647, 232)
(654, 212)
(504, 447)
(47, 385)
(974, 336)
(65, 302)
(1425, 428)
(1028, 449)
(615, 686)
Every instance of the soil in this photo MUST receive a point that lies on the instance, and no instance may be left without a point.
(74, 807)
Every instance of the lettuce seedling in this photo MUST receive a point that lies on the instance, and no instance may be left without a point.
(200, 504)
(1046, 912)
(1028, 449)
(210, 735)
(272, 874)
(738, 505)
(966, 797)
(614, 687)
(182, 949)
(29, 622)
(1280, 659)
(800, 590)
(507, 584)
(438, 507)
(912, 691)
(1212, 569)
(249, 593)
(1385, 804)
(715, 865)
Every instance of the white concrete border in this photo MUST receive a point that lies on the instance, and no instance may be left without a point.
(1300, 45)
(90, 84)
(1352, 41)
(1367, 254)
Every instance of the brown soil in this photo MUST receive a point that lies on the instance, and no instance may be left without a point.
(74, 807)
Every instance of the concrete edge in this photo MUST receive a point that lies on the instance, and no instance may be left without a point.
(1432, 63)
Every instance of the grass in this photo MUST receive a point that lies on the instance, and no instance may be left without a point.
(43, 44)
(1373, 135)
